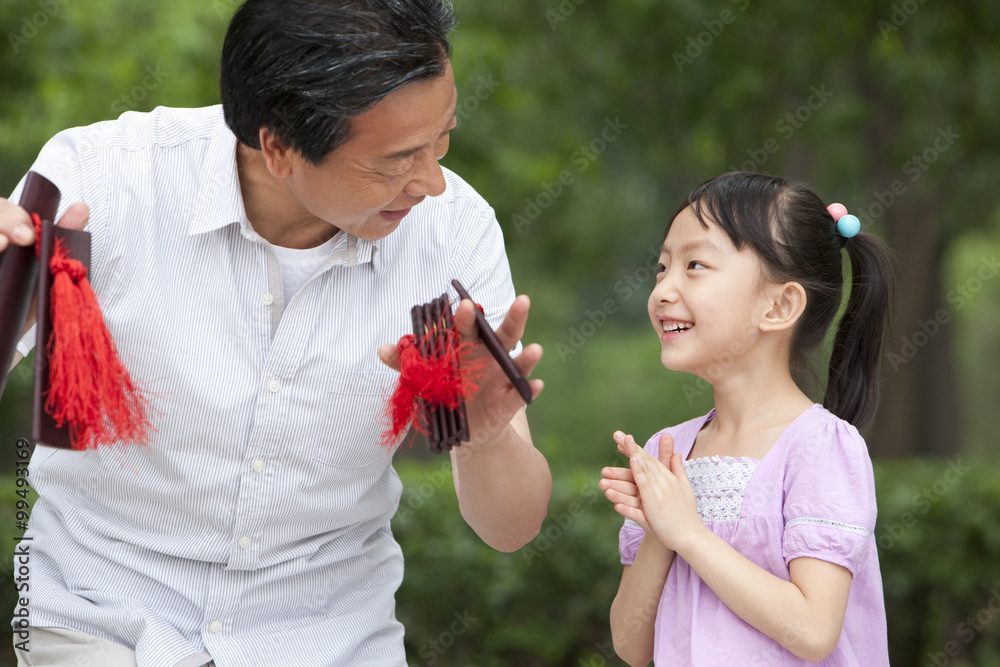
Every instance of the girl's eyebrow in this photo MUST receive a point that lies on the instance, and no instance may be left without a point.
(700, 244)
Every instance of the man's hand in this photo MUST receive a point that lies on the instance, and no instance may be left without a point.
(491, 410)
(502, 482)
(16, 226)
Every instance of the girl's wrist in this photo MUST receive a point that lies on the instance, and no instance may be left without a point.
(689, 542)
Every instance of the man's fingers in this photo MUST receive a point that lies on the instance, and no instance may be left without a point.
(528, 359)
(15, 225)
(512, 328)
(75, 217)
(389, 354)
(465, 320)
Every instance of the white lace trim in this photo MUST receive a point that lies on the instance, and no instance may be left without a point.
(719, 483)
(827, 523)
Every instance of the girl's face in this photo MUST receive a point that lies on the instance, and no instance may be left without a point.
(707, 301)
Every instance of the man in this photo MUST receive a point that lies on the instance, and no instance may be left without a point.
(250, 260)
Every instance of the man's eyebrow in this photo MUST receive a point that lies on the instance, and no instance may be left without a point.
(409, 152)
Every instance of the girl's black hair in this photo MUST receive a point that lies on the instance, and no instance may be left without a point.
(789, 228)
(303, 68)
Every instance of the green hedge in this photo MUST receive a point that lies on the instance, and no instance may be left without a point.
(938, 533)
(547, 604)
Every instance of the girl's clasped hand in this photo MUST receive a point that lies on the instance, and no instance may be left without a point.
(653, 492)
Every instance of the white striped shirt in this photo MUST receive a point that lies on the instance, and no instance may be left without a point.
(255, 528)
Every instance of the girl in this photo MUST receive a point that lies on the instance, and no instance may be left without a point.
(748, 536)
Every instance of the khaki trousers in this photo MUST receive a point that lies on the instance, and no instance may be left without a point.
(59, 647)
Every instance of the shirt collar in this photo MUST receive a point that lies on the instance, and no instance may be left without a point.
(220, 201)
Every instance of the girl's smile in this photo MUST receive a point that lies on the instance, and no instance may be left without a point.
(671, 329)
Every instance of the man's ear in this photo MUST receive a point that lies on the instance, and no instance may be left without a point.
(277, 153)
(787, 302)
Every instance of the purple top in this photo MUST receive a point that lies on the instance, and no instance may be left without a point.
(812, 495)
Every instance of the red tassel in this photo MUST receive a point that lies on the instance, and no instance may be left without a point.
(445, 377)
(90, 389)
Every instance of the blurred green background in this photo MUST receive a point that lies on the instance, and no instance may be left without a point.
(585, 123)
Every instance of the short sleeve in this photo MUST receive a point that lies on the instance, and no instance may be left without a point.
(829, 506)
(629, 539)
(631, 534)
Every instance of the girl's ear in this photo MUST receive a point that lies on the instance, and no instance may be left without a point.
(787, 302)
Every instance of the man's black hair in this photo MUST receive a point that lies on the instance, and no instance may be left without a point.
(303, 68)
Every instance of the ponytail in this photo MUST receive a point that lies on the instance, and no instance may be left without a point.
(852, 385)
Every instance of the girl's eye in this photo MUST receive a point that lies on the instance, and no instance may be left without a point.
(660, 268)
(695, 264)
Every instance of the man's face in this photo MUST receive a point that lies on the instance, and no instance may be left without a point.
(388, 165)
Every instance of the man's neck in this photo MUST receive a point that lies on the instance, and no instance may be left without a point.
(272, 211)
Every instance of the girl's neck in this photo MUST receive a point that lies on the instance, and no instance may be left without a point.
(751, 411)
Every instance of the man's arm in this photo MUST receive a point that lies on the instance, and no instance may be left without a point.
(503, 486)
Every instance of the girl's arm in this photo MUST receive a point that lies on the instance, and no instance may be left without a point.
(805, 615)
(633, 612)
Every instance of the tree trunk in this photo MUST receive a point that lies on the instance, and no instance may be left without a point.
(919, 410)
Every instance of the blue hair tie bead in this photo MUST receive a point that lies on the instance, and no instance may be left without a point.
(848, 226)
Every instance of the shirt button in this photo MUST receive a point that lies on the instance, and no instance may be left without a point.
(215, 626)
(244, 542)
(273, 385)
(258, 465)
(266, 298)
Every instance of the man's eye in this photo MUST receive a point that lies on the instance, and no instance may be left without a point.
(399, 170)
